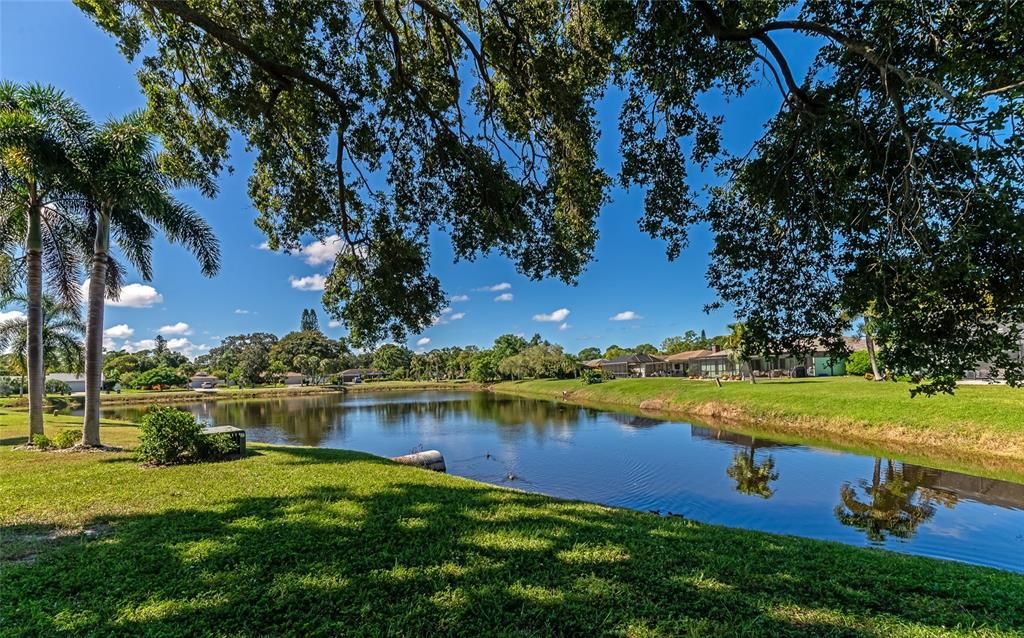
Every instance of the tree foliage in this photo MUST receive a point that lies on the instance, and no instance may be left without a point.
(376, 121)
(891, 175)
(306, 343)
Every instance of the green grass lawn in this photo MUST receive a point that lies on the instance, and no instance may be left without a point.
(313, 542)
(981, 425)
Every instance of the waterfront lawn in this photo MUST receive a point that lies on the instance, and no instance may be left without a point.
(314, 542)
(976, 421)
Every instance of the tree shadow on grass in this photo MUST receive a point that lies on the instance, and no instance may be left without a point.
(407, 553)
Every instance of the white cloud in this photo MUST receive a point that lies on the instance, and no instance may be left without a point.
(312, 282)
(334, 323)
(422, 341)
(445, 311)
(178, 344)
(504, 297)
(627, 315)
(132, 296)
(322, 252)
(558, 315)
(142, 344)
(264, 246)
(459, 298)
(496, 287)
(120, 331)
(180, 328)
(565, 326)
(242, 311)
(457, 316)
(186, 347)
(7, 315)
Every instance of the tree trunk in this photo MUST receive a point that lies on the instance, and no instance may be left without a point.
(750, 369)
(34, 293)
(871, 355)
(94, 332)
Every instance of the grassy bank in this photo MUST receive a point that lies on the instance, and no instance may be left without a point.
(312, 542)
(980, 426)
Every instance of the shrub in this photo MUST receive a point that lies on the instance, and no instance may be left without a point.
(41, 441)
(168, 436)
(858, 364)
(591, 376)
(56, 386)
(67, 438)
(162, 377)
(215, 447)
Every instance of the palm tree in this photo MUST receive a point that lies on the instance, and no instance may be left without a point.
(751, 477)
(867, 329)
(889, 507)
(41, 134)
(129, 192)
(734, 341)
(62, 331)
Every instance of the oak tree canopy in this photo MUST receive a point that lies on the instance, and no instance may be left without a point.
(889, 180)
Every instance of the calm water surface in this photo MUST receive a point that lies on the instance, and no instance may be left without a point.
(706, 474)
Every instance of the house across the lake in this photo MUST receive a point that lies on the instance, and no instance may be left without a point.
(632, 365)
(717, 361)
(358, 375)
(293, 378)
(203, 380)
(75, 381)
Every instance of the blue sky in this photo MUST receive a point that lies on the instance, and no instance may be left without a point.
(53, 42)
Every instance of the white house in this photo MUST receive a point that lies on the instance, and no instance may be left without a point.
(75, 381)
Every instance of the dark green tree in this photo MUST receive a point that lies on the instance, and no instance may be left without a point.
(309, 320)
(587, 354)
(305, 343)
(390, 357)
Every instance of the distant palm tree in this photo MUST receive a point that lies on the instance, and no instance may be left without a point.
(62, 333)
(41, 134)
(129, 192)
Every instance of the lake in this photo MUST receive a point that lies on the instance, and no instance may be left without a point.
(653, 465)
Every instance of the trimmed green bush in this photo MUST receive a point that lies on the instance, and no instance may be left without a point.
(168, 436)
(56, 386)
(858, 364)
(41, 441)
(67, 438)
(591, 376)
(216, 446)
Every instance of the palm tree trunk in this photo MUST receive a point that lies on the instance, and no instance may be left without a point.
(750, 369)
(871, 355)
(94, 331)
(34, 292)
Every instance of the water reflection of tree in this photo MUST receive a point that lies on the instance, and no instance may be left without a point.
(888, 506)
(751, 477)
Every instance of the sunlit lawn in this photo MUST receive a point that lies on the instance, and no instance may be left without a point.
(314, 542)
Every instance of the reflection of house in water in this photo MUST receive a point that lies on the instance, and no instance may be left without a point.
(735, 438)
(633, 420)
(968, 488)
